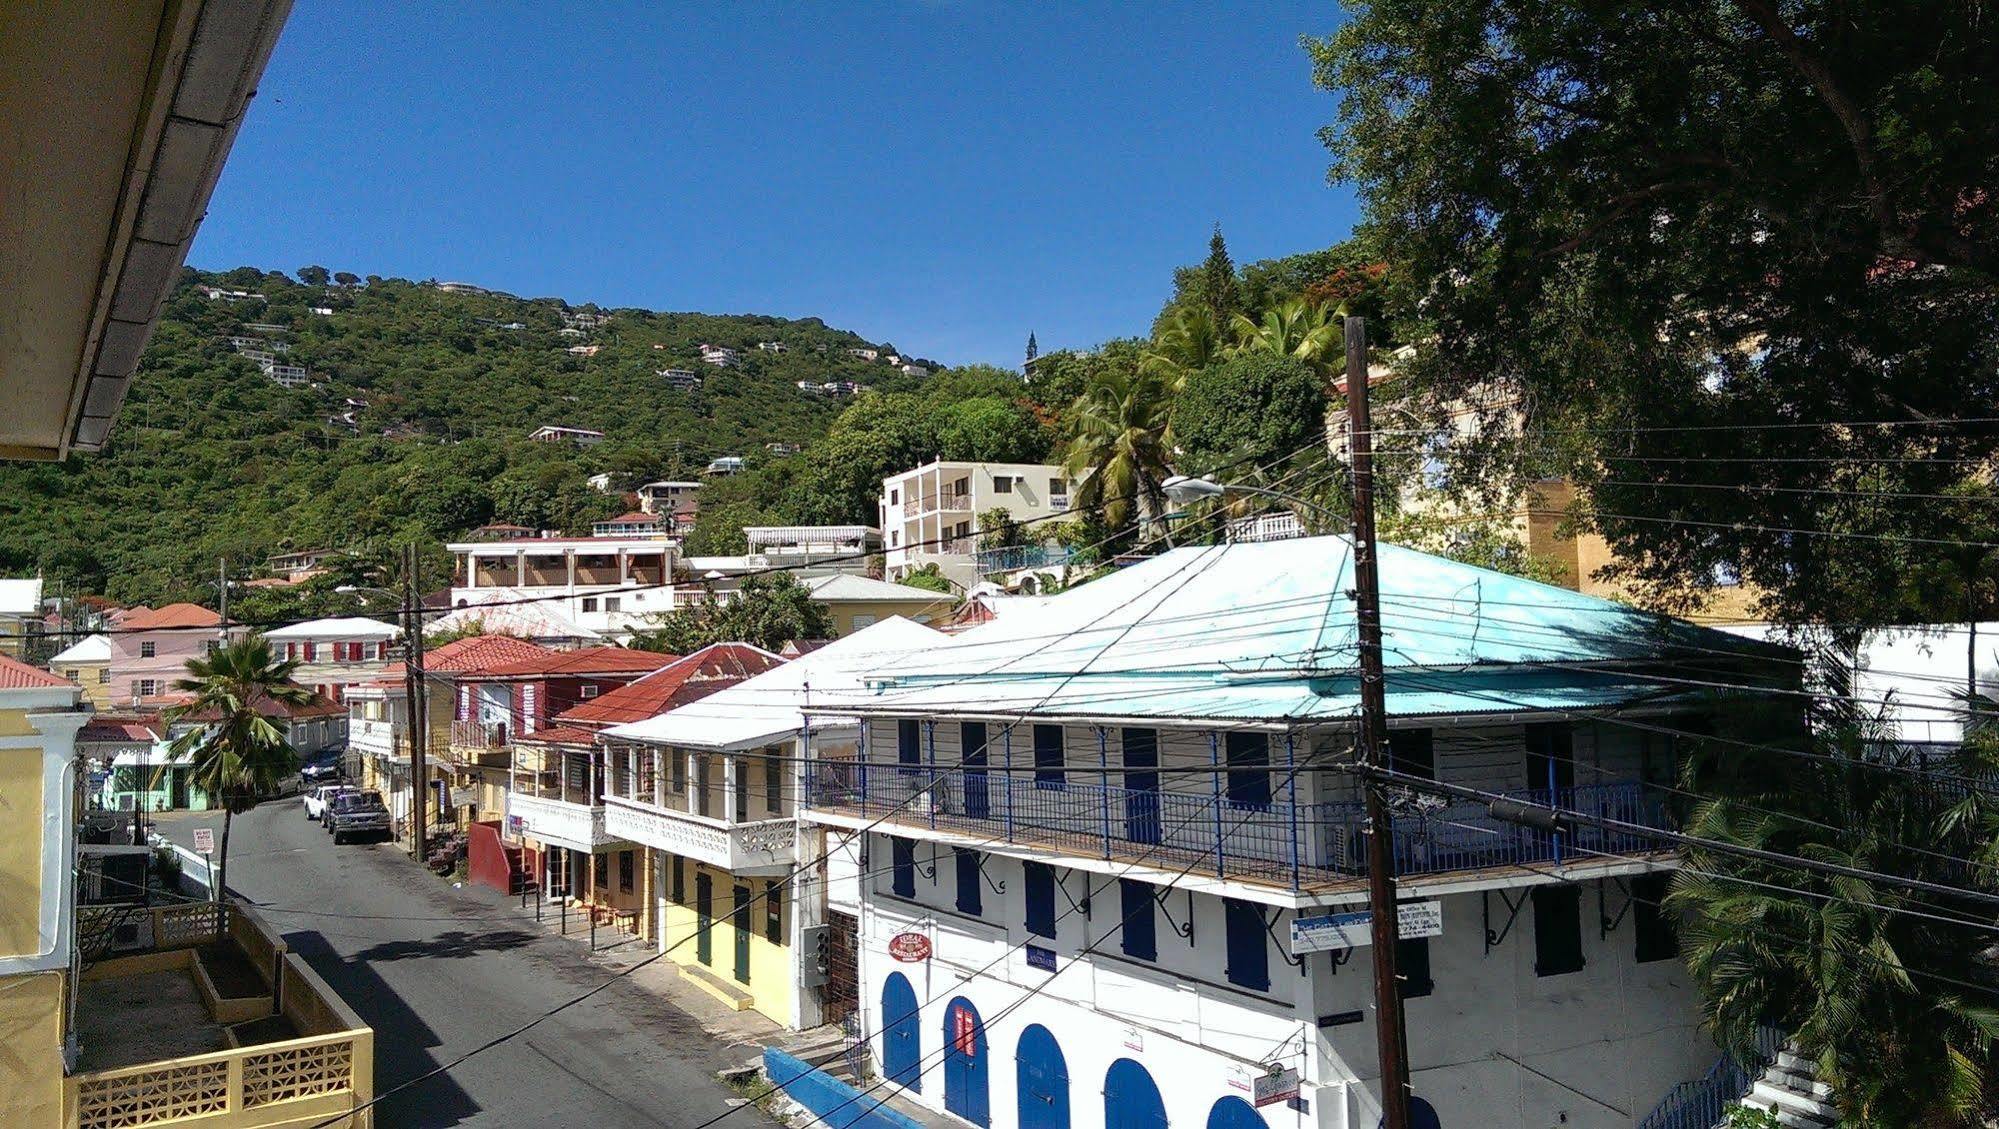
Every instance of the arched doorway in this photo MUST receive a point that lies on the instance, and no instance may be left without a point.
(1234, 1113)
(965, 1091)
(1422, 1115)
(902, 1040)
(1041, 1080)
(1131, 1100)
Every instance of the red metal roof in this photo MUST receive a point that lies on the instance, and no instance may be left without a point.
(109, 730)
(560, 735)
(634, 516)
(173, 615)
(700, 674)
(265, 705)
(584, 661)
(17, 675)
(479, 654)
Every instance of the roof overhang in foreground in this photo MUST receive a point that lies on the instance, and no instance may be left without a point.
(115, 120)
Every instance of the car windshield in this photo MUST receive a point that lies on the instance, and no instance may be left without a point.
(348, 800)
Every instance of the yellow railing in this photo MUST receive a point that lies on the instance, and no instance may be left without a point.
(293, 1082)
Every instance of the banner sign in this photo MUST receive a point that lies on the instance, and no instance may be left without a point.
(1353, 930)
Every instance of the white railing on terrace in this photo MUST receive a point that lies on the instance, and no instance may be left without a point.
(754, 845)
(1266, 527)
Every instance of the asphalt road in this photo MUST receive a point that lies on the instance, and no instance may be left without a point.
(437, 971)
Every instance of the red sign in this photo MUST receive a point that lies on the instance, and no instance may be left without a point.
(909, 947)
(965, 1030)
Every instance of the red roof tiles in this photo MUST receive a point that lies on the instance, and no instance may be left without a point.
(700, 674)
(584, 661)
(479, 654)
(173, 615)
(17, 675)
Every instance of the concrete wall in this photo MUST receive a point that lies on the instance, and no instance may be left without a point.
(31, 1013)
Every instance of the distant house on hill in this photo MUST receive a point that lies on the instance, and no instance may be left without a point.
(684, 379)
(555, 433)
(667, 497)
(501, 531)
(726, 465)
(772, 347)
(865, 354)
(634, 524)
(584, 350)
(720, 357)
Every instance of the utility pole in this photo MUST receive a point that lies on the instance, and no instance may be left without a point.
(222, 585)
(1390, 1041)
(415, 694)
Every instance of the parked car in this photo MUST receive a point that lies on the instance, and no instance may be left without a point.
(355, 814)
(316, 799)
(321, 768)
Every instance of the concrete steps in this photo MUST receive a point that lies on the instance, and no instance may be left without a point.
(1790, 1089)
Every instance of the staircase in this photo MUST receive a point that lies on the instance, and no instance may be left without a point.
(1789, 1088)
(825, 1048)
(1704, 1101)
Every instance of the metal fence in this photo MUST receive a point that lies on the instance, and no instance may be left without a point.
(1700, 1104)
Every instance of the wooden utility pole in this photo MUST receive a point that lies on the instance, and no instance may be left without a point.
(415, 694)
(1390, 1041)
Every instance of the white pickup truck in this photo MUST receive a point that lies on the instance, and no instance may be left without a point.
(316, 799)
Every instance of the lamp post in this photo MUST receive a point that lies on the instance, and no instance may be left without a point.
(1390, 1039)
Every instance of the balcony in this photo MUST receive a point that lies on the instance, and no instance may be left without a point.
(1296, 846)
(1013, 558)
(765, 846)
(377, 737)
(481, 743)
(948, 502)
(576, 826)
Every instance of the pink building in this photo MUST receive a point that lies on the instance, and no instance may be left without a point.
(151, 646)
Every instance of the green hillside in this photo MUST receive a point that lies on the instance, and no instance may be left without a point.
(210, 457)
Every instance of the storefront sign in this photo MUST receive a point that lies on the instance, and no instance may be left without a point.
(1275, 1087)
(1352, 930)
(1038, 957)
(909, 947)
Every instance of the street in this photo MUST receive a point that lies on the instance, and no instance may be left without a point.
(437, 971)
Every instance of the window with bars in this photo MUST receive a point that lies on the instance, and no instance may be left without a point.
(148, 650)
(627, 870)
(773, 783)
(648, 775)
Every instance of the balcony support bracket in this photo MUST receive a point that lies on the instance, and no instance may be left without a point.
(1082, 907)
(1186, 930)
(1606, 924)
(930, 871)
(1513, 908)
(1283, 944)
(997, 887)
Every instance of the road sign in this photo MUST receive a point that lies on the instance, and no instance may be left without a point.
(1352, 930)
(204, 840)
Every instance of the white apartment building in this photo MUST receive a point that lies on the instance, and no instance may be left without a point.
(684, 379)
(1109, 847)
(838, 548)
(607, 585)
(720, 356)
(335, 655)
(930, 515)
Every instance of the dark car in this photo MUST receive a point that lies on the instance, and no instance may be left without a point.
(353, 815)
(322, 767)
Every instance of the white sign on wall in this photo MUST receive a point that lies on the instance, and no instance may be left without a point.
(204, 840)
(1352, 930)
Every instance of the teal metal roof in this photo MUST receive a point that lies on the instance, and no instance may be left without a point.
(1267, 632)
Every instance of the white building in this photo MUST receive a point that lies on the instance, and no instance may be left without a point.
(634, 524)
(553, 433)
(1108, 841)
(865, 354)
(609, 586)
(843, 546)
(287, 376)
(931, 515)
(684, 379)
(1914, 676)
(772, 347)
(335, 654)
(720, 356)
(584, 350)
(665, 497)
(725, 465)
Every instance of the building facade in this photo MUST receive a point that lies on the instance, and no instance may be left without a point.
(335, 655)
(151, 646)
(608, 585)
(931, 515)
(87, 663)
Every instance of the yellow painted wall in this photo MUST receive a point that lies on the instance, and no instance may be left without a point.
(14, 723)
(96, 691)
(20, 849)
(31, 1015)
(770, 964)
(933, 610)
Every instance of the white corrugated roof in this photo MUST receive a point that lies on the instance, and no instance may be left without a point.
(337, 627)
(769, 707)
(21, 597)
(95, 649)
(849, 588)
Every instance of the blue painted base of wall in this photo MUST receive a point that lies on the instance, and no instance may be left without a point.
(835, 1103)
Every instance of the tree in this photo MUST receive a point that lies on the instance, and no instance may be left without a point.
(1188, 341)
(1295, 329)
(1220, 292)
(346, 278)
(1257, 407)
(1891, 1003)
(1700, 325)
(990, 430)
(768, 611)
(234, 752)
(1119, 443)
(313, 276)
(929, 577)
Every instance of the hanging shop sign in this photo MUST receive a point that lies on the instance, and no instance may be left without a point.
(909, 947)
(1352, 930)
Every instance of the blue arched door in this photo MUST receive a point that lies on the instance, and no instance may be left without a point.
(1422, 1115)
(1131, 1100)
(1041, 1080)
(1234, 1113)
(965, 1092)
(902, 1038)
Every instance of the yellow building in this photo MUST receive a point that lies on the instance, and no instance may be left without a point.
(87, 663)
(859, 602)
(39, 718)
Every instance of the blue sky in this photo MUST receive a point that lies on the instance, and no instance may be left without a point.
(945, 176)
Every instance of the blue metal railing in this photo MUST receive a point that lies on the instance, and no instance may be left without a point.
(1021, 556)
(1699, 1104)
(1284, 843)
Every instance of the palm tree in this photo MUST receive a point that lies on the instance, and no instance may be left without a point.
(1893, 1005)
(1189, 342)
(1120, 443)
(1296, 329)
(235, 753)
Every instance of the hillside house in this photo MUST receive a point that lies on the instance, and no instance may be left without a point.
(335, 655)
(931, 515)
(634, 524)
(666, 497)
(720, 356)
(150, 648)
(684, 379)
(556, 433)
(605, 585)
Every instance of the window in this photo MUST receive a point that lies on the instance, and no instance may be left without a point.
(1249, 769)
(104, 676)
(587, 690)
(861, 621)
(1140, 939)
(895, 497)
(740, 770)
(1652, 922)
(627, 870)
(673, 863)
(1414, 752)
(774, 913)
(1551, 756)
(1039, 879)
(73, 675)
(1558, 930)
(908, 743)
(968, 880)
(1248, 945)
(1002, 484)
(600, 871)
(145, 687)
(1048, 756)
(311, 651)
(589, 603)
(613, 603)
(902, 867)
(773, 784)
(147, 650)
(1412, 966)
(676, 771)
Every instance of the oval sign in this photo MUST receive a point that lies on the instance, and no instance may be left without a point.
(909, 947)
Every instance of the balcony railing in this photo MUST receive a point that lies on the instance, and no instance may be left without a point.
(479, 734)
(1297, 845)
(577, 826)
(744, 848)
(1013, 558)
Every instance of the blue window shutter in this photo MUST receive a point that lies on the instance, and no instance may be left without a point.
(968, 880)
(1249, 953)
(1249, 769)
(902, 853)
(1140, 938)
(1040, 880)
(1048, 756)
